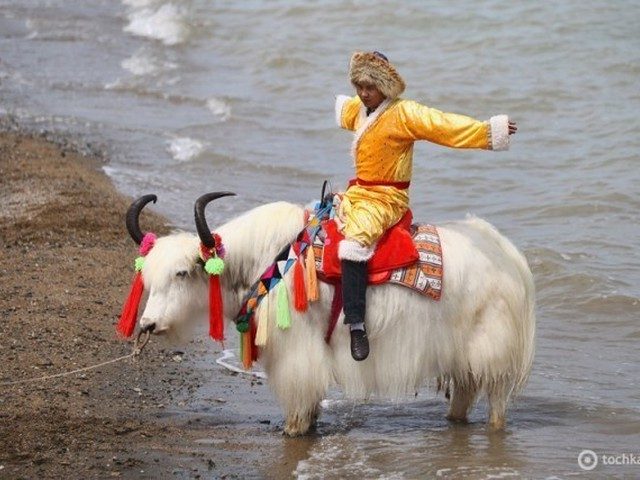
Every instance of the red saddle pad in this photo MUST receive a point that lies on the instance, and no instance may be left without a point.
(395, 249)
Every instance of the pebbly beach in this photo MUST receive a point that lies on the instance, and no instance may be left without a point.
(66, 264)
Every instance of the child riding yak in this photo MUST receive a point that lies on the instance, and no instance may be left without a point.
(385, 129)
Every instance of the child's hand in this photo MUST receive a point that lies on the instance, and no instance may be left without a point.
(512, 128)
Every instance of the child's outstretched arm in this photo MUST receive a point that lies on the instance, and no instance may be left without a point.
(453, 130)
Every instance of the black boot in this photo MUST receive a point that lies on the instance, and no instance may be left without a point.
(354, 295)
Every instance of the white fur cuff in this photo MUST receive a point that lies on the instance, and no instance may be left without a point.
(340, 101)
(351, 250)
(499, 132)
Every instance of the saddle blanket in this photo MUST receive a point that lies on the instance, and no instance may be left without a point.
(424, 275)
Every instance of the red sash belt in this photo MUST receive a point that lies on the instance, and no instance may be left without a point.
(381, 183)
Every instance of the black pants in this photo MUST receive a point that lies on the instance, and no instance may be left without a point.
(354, 290)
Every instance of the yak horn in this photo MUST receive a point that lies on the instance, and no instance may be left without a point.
(133, 214)
(201, 222)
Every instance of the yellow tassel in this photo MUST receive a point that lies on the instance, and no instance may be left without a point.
(263, 322)
(312, 280)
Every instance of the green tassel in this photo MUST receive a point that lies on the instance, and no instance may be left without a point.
(242, 326)
(139, 263)
(214, 266)
(283, 315)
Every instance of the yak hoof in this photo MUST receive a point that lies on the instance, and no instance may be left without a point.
(457, 419)
(296, 430)
(298, 425)
(497, 424)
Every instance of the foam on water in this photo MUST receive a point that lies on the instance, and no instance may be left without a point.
(165, 23)
(337, 457)
(140, 64)
(184, 149)
(219, 108)
(229, 361)
(143, 62)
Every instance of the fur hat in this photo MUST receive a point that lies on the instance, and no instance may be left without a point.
(374, 68)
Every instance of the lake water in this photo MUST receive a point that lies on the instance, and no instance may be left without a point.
(194, 96)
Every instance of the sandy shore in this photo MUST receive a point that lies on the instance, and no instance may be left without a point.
(66, 263)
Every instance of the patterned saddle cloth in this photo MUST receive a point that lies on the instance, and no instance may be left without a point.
(409, 255)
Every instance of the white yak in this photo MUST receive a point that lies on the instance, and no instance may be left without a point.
(477, 339)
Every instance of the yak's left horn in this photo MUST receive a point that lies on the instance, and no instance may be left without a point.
(133, 214)
(201, 222)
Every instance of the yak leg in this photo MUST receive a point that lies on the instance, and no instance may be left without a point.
(300, 381)
(464, 393)
(300, 394)
(498, 398)
(299, 369)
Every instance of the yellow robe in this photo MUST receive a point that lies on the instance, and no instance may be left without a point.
(383, 152)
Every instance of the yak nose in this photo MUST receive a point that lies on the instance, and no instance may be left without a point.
(149, 327)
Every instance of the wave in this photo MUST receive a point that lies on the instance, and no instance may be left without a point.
(166, 23)
(219, 108)
(142, 63)
(184, 149)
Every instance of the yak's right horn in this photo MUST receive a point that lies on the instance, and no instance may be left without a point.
(201, 222)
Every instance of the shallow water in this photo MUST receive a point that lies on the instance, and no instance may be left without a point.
(193, 96)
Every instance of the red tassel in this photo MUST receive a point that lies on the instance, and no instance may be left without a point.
(127, 323)
(299, 289)
(216, 322)
(336, 308)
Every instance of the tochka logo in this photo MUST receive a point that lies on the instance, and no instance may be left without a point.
(588, 459)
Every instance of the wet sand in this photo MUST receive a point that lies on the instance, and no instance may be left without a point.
(66, 264)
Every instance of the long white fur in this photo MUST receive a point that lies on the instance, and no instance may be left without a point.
(478, 338)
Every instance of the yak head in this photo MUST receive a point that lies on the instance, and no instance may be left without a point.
(172, 272)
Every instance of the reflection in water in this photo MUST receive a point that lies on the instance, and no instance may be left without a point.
(294, 450)
(414, 440)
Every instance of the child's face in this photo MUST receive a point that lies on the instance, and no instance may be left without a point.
(369, 94)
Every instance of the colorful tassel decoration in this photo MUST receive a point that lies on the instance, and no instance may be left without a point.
(246, 350)
(216, 319)
(336, 307)
(312, 278)
(214, 266)
(299, 288)
(129, 315)
(283, 315)
(263, 323)
(252, 341)
(242, 324)
(148, 241)
(127, 323)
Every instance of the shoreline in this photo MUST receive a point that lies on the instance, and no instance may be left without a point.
(67, 264)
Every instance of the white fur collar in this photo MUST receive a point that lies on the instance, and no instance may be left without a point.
(370, 120)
